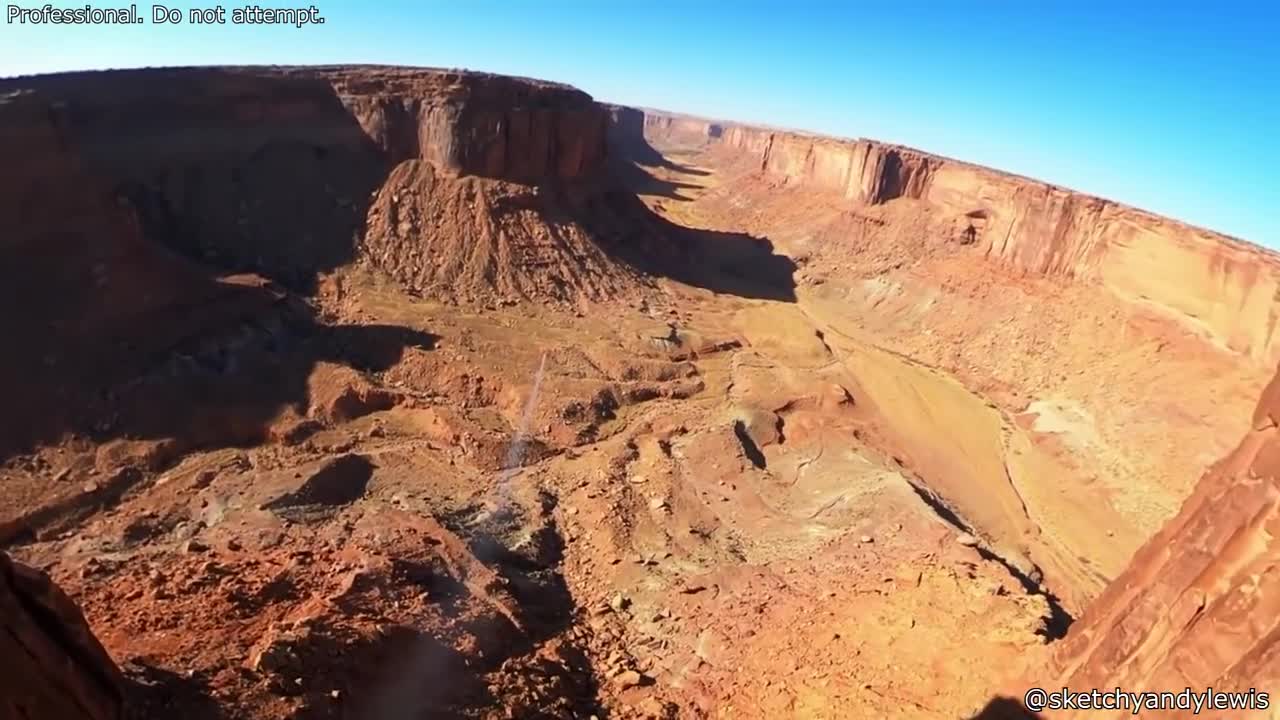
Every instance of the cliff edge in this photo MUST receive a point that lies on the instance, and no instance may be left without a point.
(1199, 604)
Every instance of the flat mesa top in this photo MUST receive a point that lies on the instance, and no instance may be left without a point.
(392, 76)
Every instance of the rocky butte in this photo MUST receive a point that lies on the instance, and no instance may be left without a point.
(822, 427)
(127, 186)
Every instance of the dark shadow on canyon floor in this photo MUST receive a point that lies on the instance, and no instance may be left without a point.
(639, 180)
(244, 171)
(627, 230)
(731, 263)
(225, 390)
(684, 169)
(135, 205)
(646, 155)
(628, 142)
(153, 692)
(1005, 708)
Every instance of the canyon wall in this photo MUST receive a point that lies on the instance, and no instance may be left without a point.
(680, 128)
(476, 124)
(270, 170)
(1216, 286)
(89, 299)
(145, 208)
(1199, 604)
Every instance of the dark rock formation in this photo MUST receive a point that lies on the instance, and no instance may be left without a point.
(54, 667)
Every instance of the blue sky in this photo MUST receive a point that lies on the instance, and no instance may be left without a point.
(1172, 106)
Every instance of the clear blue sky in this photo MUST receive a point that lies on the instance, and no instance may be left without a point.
(1169, 106)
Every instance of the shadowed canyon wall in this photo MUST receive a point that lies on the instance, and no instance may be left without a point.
(144, 209)
(1217, 286)
(270, 170)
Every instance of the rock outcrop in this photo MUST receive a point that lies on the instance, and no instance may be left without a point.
(1199, 604)
(1214, 285)
(145, 208)
(476, 124)
(478, 240)
(203, 155)
(53, 665)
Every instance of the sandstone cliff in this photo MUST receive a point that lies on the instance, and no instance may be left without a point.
(270, 170)
(53, 665)
(147, 208)
(490, 125)
(682, 128)
(1199, 604)
(1215, 285)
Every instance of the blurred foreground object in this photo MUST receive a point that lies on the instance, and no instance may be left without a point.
(51, 665)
